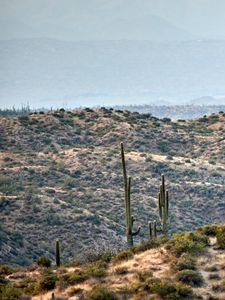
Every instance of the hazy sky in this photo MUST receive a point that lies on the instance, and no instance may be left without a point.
(52, 70)
(111, 19)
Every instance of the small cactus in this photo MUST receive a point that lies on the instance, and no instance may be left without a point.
(163, 201)
(127, 190)
(152, 229)
(57, 254)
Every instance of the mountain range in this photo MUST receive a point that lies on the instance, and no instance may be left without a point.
(47, 72)
(103, 19)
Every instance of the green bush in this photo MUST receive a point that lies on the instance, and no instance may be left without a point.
(96, 269)
(43, 261)
(190, 277)
(47, 281)
(143, 276)
(220, 235)
(169, 290)
(102, 255)
(123, 255)
(10, 292)
(121, 270)
(75, 277)
(24, 119)
(3, 280)
(185, 261)
(209, 230)
(6, 270)
(188, 242)
(153, 243)
(99, 292)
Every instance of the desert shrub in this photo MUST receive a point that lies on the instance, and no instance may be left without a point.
(170, 290)
(214, 276)
(6, 270)
(70, 278)
(185, 261)
(6, 184)
(123, 255)
(220, 235)
(191, 242)
(142, 276)
(47, 281)
(69, 183)
(213, 268)
(31, 287)
(121, 270)
(96, 269)
(43, 261)
(153, 243)
(74, 291)
(99, 292)
(190, 277)
(3, 280)
(163, 146)
(4, 203)
(219, 287)
(209, 230)
(24, 119)
(10, 292)
(99, 255)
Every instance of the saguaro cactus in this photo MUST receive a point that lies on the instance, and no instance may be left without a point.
(127, 189)
(163, 199)
(57, 254)
(152, 229)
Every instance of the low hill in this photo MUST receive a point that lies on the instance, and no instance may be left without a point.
(190, 266)
(61, 178)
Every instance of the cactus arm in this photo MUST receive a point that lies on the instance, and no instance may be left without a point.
(136, 232)
(160, 207)
(167, 202)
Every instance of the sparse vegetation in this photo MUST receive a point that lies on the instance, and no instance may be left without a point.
(96, 279)
(62, 167)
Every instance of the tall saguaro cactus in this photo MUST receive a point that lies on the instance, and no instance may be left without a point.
(163, 198)
(127, 190)
(57, 254)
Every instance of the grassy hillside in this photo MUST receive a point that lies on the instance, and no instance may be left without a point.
(61, 178)
(190, 265)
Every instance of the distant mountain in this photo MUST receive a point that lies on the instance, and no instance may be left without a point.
(148, 27)
(104, 19)
(208, 101)
(46, 72)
